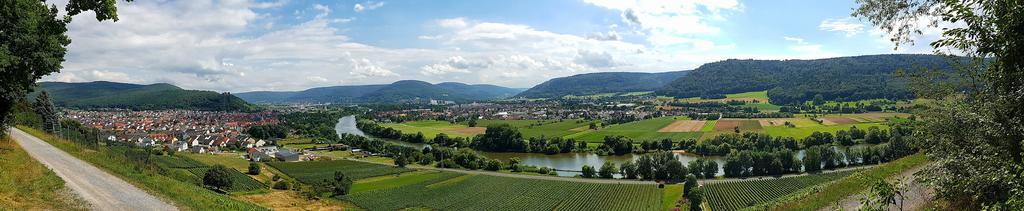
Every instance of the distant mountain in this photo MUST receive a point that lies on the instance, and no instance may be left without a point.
(797, 81)
(606, 82)
(104, 94)
(400, 91)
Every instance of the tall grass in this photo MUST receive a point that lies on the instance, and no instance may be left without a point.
(26, 184)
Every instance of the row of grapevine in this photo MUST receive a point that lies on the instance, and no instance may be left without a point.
(315, 171)
(739, 194)
(239, 181)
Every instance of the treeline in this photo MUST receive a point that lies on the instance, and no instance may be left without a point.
(793, 82)
(267, 131)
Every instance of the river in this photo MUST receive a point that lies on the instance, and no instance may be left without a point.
(565, 164)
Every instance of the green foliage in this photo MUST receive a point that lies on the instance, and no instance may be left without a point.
(283, 185)
(597, 83)
(267, 131)
(501, 138)
(312, 172)
(791, 82)
(217, 177)
(254, 168)
(607, 170)
(734, 195)
(102, 94)
(588, 172)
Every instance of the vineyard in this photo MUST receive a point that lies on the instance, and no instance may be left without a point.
(739, 194)
(196, 170)
(454, 191)
(315, 171)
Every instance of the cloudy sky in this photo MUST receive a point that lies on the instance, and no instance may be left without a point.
(243, 45)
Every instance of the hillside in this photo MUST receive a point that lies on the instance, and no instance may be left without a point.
(400, 91)
(103, 94)
(797, 81)
(596, 83)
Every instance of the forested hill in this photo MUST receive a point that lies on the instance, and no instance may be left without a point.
(103, 94)
(797, 81)
(597, 83)
(397, 92)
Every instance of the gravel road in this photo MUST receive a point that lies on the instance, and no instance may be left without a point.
(101, 189)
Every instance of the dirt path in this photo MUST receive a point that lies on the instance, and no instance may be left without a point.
(101, 189)
(917, 195)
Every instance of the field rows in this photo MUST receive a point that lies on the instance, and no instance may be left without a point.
(739, 194)
(315, 171)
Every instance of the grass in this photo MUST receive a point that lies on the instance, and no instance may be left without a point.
(671, 194)
(638, 131)
(534, 128)
(758, 94)
(315, 171)
(393, 181)
(455, 191)
(763, 107)
(181, 193)
(802, 132)
(230, 160)
(709, 126)
(292, 200)
(26, 184)
(429, 128)
(840, 189)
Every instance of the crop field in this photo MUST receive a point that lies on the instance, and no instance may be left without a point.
(316, 171)
(454, 191)
(759, 96)
(802, 132)
(835, 120)
(536, 128)
(684, 126)
(431, 128)
(709, 126)
(739, 194)
(731, 124)
(797, 122)
(639, 131)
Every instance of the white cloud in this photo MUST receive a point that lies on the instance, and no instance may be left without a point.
(360, 7)
(453, 23)
(848, 26)
(317, 79)
(323, 10)
(455, 64)
(363, 68)
(671, 22)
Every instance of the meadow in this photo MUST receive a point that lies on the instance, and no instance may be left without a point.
(740, 194)
(26, 184)
(537, 128)
(643, 130)
(315, 171)
(430, 128)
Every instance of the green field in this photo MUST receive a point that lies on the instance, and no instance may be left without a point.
(671, 195)
(455, 191)
(315, 171)
(739, 194)
(803, 132)
(639, 130)
(430, 128)
(536, 128)
(197, 169)
(709, 126)
(758, 94)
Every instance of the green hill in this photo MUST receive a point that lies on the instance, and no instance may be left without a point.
(103, 94)
(597, 83)
(397, 92)
(797, 81)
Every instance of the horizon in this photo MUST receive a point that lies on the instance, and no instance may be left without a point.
(246, 46)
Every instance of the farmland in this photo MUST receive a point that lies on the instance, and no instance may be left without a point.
(196, 170)
(315, 171)
(739, 194)
(455, 191)
(536, 128)
(639, 130)
(431, 128)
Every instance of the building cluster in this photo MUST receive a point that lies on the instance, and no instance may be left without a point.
(540, 110)
(176, 130)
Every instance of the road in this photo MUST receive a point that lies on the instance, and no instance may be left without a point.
(101, 189)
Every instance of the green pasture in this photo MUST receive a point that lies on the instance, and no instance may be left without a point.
(638, 130)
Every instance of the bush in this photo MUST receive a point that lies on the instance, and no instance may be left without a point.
(283, 185)
(254, 168)
(218, 177)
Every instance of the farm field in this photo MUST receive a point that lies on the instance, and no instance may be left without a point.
(684, 126)
(759, 96)
(430, 128)
(732, 124)
(739, 194)
(802, 132)
(315, 171)
(638, 131)
(537, 128)
(455, 191)
(196, 170)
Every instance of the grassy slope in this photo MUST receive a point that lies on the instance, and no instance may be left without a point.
(535, 128)
(842, 188)
(26, 184)
(671, 194)
(182, 194)
(638, 131)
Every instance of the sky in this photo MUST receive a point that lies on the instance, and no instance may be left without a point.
(282, 45)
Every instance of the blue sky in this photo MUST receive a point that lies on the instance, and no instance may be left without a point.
(243, 45)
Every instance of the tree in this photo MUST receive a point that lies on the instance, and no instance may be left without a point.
(588, 171)
(44, 107)
(629, 169)
(34, 43)
(710, 168)
(973, 132)
(883, 194)
(607, 170)
(695, 197)
(492, 165)
(697, 166)
(218, 177)
(254, 168)
(676, 170)
(340, 185)
(401, 161)
(691, 183)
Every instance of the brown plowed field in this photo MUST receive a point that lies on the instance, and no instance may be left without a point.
(683, 126)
